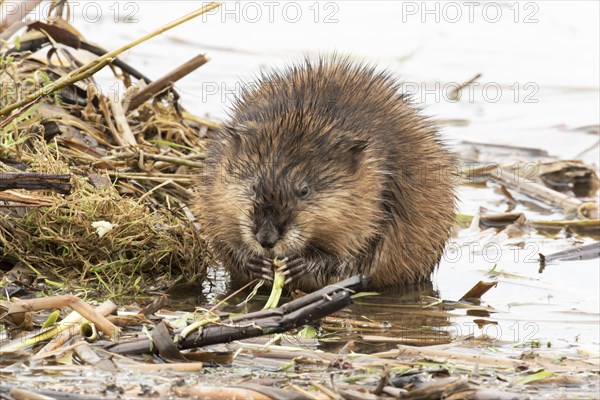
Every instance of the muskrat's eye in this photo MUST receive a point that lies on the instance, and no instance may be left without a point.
(304, 191)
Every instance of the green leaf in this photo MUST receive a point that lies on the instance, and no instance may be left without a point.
(51, 320)
(538, 376)
(308, 332)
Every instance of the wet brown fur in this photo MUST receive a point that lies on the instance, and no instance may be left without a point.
(381, 198)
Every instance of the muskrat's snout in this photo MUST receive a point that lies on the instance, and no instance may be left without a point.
(269, 224)
(267, 235)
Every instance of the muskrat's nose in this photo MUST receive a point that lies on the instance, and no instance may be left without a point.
(267, 235)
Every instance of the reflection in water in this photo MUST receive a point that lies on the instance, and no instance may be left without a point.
(401, 316)
(408, 315)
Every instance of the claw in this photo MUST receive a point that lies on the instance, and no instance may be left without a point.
(260, 268)
(292, 269)
(290, 264)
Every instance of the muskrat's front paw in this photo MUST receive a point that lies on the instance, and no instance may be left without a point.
(261, 268)
(292, 268)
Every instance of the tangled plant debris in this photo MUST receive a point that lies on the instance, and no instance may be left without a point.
(93, 196)
(123, 227)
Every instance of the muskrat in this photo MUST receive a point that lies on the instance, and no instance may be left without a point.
(327, 165)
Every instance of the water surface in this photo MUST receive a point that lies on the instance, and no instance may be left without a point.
(540, 72)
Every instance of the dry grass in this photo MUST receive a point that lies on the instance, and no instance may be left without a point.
(147, 248)
(140, 187)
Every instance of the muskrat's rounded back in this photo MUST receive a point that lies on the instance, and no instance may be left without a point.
(326, 161)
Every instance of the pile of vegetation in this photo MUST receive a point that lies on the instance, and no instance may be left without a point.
(113, 175)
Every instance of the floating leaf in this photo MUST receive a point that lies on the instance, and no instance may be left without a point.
(478, 290)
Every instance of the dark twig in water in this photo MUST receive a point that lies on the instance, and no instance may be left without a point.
(586, 252)
(275, 320)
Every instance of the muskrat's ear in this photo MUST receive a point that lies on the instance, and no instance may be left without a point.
(353, 152)
(234, 134)
(357, 147)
